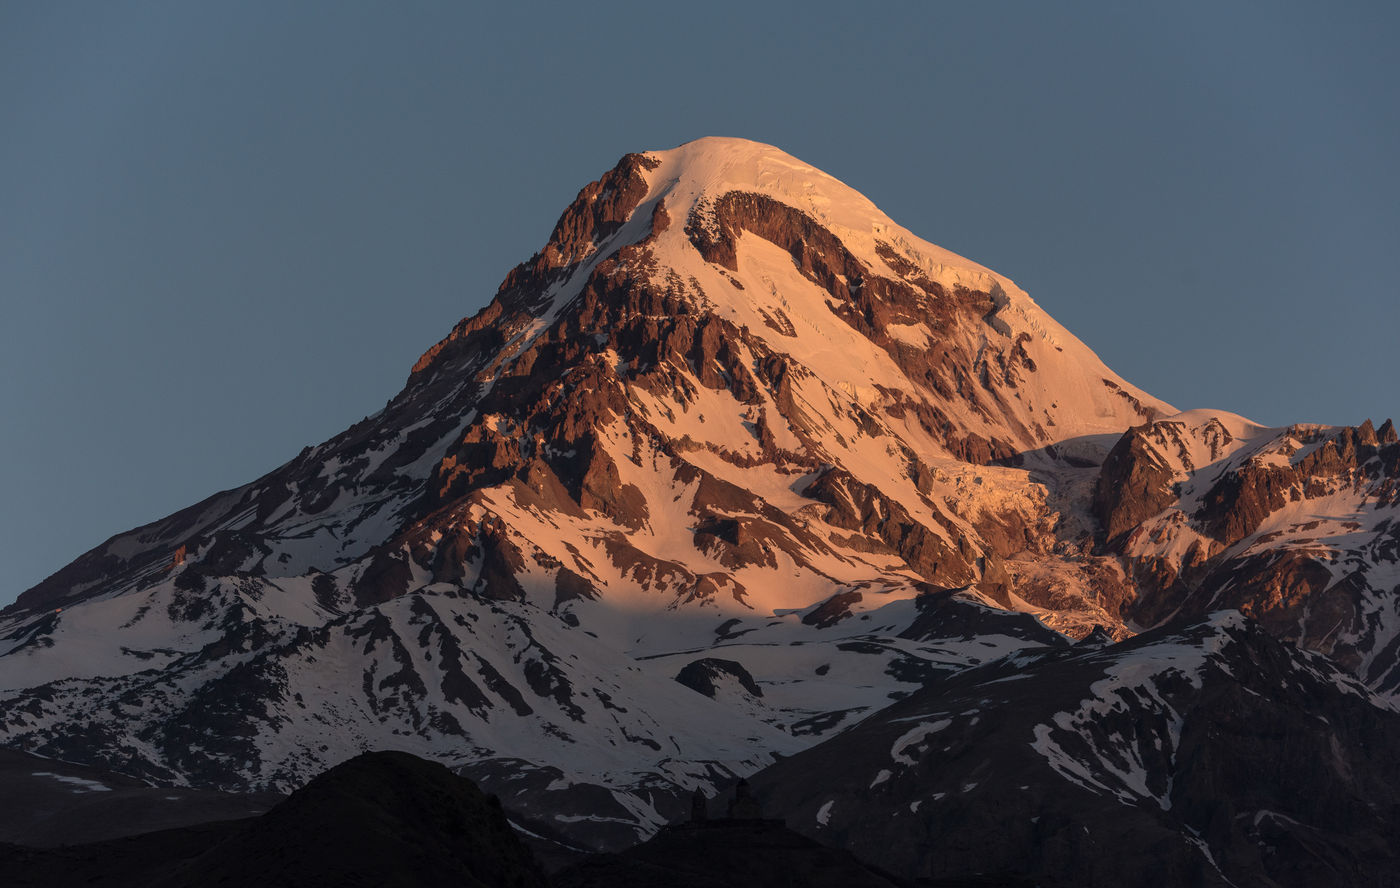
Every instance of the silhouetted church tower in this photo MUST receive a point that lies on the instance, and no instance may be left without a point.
(744, 806)
(698, 810)
(742, 813)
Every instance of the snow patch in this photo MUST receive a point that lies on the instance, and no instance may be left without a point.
(80, 784)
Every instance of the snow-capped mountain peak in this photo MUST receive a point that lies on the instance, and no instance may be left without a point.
(732, 433)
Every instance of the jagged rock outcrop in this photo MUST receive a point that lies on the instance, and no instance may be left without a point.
(703, 676)
(1295, 527)
(1134, 485)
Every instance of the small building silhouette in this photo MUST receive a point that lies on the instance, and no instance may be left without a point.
(699, 811)
(744, 806)
(743, 812)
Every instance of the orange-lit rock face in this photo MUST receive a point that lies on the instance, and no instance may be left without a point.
(1291, 526)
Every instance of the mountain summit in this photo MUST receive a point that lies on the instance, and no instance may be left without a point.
(730, 463)
(714, 340)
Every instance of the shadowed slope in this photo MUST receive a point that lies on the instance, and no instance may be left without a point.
(381, 819)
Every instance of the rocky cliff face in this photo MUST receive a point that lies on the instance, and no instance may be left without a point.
(731, 413)
(1295, 527)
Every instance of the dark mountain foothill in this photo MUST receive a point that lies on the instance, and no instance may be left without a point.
(732, 854)
(49, 803)
(381, 819)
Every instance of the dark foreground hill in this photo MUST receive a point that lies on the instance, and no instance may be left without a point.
(49, 803)
(725, 854)
(382, 819)
(392, 819)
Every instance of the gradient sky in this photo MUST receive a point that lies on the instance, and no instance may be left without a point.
(228, 230)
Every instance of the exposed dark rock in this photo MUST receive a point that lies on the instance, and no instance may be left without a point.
(833, 610)
(1386, 433)
(702, 676)
(943, 613)
(1133, 485)
(1238, 503)
(1098, 638)
(860, 507)
(596, 214)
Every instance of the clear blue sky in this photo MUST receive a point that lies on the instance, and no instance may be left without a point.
(227, 230)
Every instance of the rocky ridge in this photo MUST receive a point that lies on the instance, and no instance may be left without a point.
(1201, 753)
(1297, 527)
